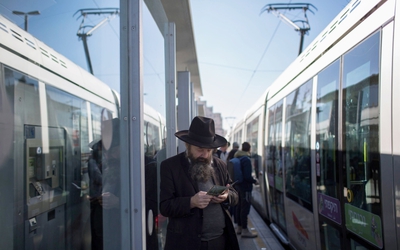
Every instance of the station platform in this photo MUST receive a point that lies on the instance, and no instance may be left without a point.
(266, 239)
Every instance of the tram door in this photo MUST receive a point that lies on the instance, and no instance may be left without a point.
(45, 187)
(274, 164)
(326, 158)
(347, 157)
(360, 136)
(298, 172)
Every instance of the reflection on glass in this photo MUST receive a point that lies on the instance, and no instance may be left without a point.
(361, 124)
(237, 137)
(298, 153)
(270, 160)
(326, 130)
(153, 63)
(72, 187)
(274, 164)
(355, 245)
(330, 237)
(154, 126)
(252, 138)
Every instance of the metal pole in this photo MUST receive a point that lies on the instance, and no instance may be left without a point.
(26, 22)
(302, 32)
(86, 48)
(170, 87)
(26, 14)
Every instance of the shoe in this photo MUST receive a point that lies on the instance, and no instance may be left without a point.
(246, 233)
(239, 230)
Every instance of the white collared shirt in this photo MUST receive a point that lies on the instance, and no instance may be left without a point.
(224, 155)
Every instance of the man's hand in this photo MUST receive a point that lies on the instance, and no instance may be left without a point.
(222, 197)
(200, 200)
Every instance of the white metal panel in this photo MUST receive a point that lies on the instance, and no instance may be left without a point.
(299, 71)
(396, 87)
(25, 53)
(301, 231)
(313, 161)
(385, 134)
(396, 119)
(386, 90)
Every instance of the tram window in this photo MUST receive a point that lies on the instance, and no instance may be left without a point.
(330, 237)
(152, 140)
(252, 133)
(326, 130)
(270, 160)
(65, 110)
(355, 245)
(95, 112)
(361, 124)
(297, 151)
(252, 138)
(238, 137)
(25, 90)
(275, 164)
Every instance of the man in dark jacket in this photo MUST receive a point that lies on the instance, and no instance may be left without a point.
(244, 188)
(197, 220)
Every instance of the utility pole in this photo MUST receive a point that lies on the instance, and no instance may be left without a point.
(230, 122)
(26, 14)
(111, 12)
(275, 7)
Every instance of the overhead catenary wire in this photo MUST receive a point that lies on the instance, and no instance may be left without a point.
(255, 70)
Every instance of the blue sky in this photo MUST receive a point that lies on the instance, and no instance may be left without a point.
(240, 50)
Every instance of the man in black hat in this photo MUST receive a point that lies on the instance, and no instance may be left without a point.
(197, 220)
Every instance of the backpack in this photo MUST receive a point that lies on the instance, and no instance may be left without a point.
(235, 170)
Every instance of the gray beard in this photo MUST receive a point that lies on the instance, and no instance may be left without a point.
(201, 172)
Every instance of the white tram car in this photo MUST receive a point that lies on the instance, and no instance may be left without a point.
(50, 110)
(325, 137)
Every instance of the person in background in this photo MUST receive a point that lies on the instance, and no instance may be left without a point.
(235, 148)
(95, 189)
(231, 154)
(222, 152)
(197, 220)
(111, 190)
(244, 188)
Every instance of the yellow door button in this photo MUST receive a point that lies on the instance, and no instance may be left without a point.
(350, 195)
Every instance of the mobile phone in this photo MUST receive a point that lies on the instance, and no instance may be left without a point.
(216, 190)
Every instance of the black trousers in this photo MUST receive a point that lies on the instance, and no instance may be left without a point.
(232, 211)
(96, 225)
(243, 208)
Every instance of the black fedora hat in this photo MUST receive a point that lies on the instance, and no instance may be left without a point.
(201, 134)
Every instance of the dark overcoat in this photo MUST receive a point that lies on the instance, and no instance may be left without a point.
(185, 223)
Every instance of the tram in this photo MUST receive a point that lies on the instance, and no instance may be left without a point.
(325, 138)
(50, 111)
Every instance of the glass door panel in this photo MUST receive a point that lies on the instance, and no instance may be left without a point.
(361, 156)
